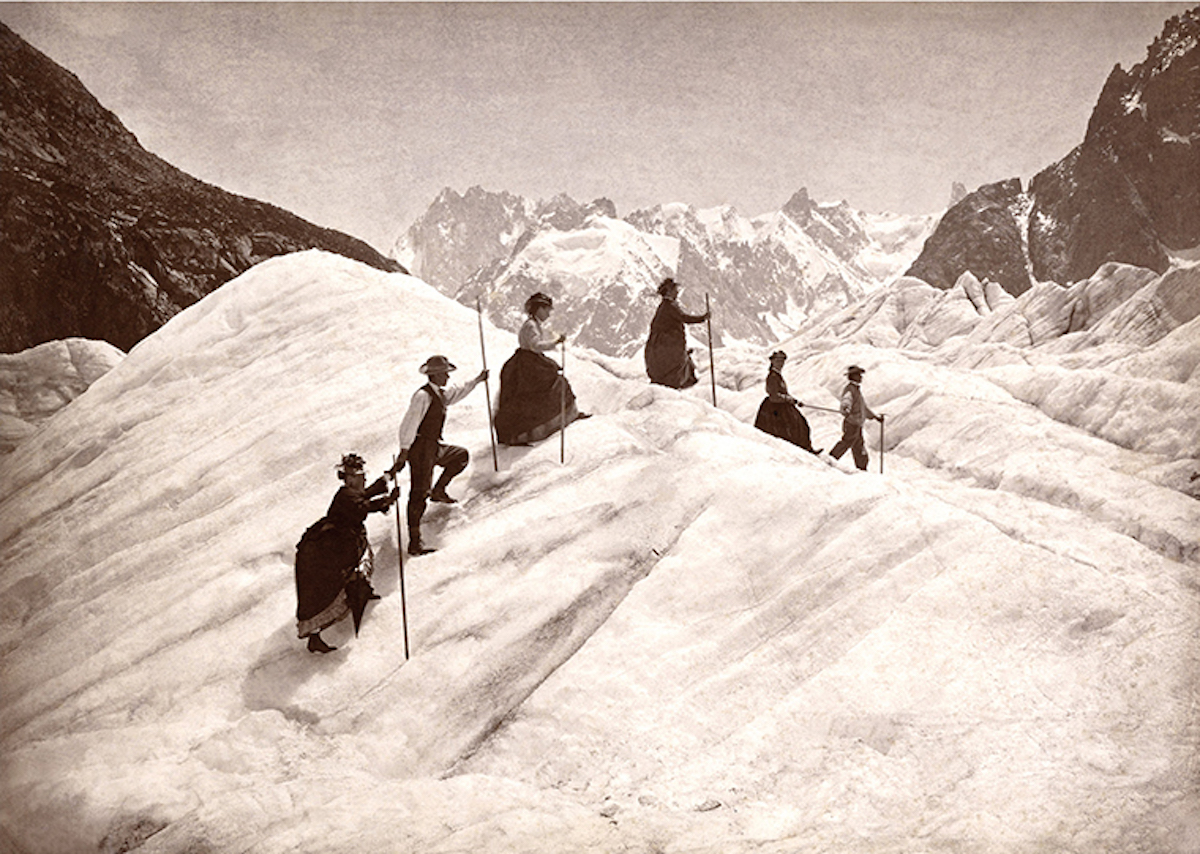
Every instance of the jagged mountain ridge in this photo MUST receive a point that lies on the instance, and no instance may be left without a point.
(765, 274)
(101, 239)
(1128, 193)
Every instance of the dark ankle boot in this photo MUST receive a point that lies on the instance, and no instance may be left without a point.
(416, 548)
(316, 644)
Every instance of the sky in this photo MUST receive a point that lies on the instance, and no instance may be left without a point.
(356, 115)
(690, 637)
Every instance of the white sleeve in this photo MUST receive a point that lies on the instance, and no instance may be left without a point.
(453, 394)
(412, 419)
(529, 336)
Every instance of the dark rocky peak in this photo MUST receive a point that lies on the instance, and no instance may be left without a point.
(1126, 194)
(1111, 104)
(562, 213)
(799, 207)
(101, 239)
(981, 234)
(602, 207)
(458, 234)
(1162, 92)
(1147, 121)
(836, 226)
(476, 205)
(1087, 212)
(1180, 36)
(50, 119)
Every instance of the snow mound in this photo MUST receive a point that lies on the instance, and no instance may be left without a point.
(38, 382)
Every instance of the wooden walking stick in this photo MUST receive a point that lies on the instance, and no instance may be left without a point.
(486, 388)
(400, 554)
(562, 408)
(712, 366)
(881, 444)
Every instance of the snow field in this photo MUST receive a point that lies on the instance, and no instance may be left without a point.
(691, 637)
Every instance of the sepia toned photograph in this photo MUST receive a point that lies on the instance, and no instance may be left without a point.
(619, 427)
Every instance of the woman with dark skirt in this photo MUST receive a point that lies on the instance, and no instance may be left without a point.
(535, 398)
(779, 414)
(334, 561)
(667, 359)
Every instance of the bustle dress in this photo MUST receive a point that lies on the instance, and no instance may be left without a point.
(532, 392)
(780, 416)
(667, 359)
(334, 561)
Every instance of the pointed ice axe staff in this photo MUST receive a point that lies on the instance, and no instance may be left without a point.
(562, 408)
(712, 366)
(487, 389)
(881, 444)
(400, 554)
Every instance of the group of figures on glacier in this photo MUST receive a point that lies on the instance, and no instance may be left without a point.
(334, 560)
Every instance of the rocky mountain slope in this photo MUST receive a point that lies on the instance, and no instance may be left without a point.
(764, 275)
(1130, 192)
(101, 239)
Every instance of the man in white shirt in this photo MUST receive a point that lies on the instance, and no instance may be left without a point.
(421, 444)
(855, 413)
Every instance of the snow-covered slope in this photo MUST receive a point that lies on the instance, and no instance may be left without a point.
(690, 637)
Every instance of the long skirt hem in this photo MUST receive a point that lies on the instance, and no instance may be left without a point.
(534, 398)
(337, 611)
(339, 606)
(785, 421)
(542, 431)
(670, 366)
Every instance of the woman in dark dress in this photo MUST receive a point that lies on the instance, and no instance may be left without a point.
(667, 359)
(535, 398)
(334, 561)
(779, 414)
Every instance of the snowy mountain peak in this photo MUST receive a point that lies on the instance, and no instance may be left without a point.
(767, 273)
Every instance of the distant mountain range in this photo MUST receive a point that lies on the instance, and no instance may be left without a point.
(1130, 192)
(763, 275)
(101, 239)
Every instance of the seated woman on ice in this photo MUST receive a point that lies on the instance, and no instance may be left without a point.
(535, 398)
(334, 561)
(779, 414)
(667, 359)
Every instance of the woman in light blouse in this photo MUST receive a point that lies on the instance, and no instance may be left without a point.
(535, 398)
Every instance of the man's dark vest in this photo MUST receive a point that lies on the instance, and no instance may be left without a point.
(430, 428)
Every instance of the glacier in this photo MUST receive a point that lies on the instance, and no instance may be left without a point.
(689, 637)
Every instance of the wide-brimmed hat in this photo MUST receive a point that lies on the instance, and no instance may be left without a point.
(537, 300)
(666, 285)
(854, 370)
(778, 354)
(437, 364)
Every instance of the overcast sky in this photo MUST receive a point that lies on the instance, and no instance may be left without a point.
(356, 115)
